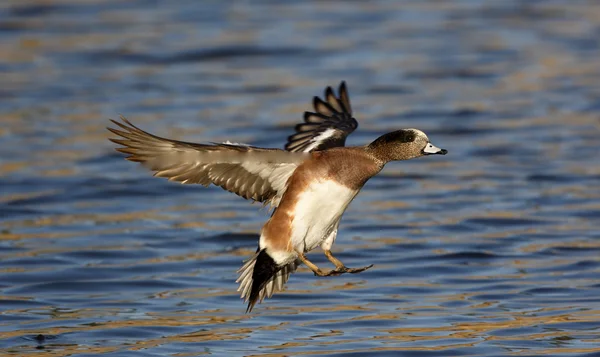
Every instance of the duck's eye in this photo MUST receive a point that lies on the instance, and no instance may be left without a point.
(409, 138)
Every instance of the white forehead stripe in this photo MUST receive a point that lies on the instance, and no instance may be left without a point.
(418, 132)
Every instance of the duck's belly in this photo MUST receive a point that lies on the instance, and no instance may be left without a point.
(317, 212)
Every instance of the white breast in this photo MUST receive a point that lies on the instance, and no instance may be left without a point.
(317, 211)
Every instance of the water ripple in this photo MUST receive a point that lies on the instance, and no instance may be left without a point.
(491, 250)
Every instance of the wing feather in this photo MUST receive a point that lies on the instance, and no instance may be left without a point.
(326, 127)
(250, 172)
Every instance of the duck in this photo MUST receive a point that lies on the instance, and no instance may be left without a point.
(308, 184)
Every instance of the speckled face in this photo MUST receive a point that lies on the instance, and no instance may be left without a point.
(405, 144)
(420, 139)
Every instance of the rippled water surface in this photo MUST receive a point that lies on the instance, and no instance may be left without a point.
(492, 250)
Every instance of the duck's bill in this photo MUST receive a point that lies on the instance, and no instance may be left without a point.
(431, 149)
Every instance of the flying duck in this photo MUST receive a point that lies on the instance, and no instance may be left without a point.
(309, 185)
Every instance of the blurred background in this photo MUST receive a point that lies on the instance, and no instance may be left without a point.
(491, 250)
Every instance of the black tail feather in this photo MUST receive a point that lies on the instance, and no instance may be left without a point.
(264, 269)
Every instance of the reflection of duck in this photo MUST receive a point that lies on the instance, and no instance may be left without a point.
(310, 185)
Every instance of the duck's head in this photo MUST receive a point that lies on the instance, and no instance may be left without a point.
(403, 144)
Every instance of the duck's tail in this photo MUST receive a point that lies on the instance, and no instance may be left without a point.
(260, 277)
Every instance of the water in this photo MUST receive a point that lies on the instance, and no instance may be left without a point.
(491, 250)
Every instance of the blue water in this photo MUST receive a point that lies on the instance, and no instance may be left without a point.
(491, 250)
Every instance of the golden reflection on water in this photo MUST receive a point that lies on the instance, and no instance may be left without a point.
(222, 324)
(530, 82)
(483, 331)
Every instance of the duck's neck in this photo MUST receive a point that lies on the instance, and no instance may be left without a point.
(363, 166)
(385, 152)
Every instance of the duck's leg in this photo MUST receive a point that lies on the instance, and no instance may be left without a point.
(340, 268)
(312, 266)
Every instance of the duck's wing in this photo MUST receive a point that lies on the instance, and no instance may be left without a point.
(250, 172)
(326, 127)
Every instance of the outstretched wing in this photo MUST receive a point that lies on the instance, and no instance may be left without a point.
(326, 127)
(250, 172)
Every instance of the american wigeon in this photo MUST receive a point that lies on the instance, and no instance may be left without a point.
(310, 184)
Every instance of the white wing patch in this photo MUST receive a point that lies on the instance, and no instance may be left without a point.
(236, 144)
(317, 140)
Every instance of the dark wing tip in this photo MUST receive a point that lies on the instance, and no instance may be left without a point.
(122, 117)
(330, 112)
(315, 102)
(123, 135)
(111, 129)
(125, 124)
(329, 92)
(345, 97)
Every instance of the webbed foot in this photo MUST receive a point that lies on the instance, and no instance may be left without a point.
(341, 270)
